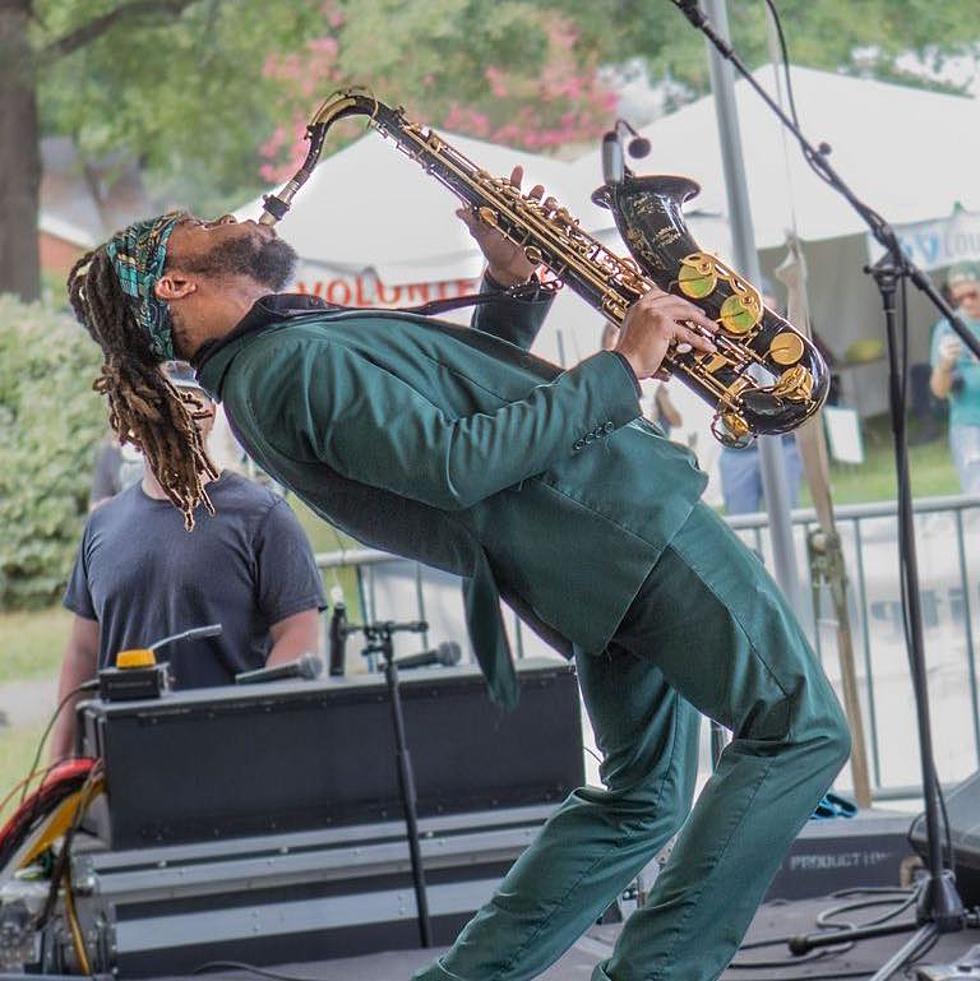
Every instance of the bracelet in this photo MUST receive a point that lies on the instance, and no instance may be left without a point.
(500, 286)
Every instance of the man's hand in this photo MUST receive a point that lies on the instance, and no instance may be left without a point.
(506, 261)
(654, 323)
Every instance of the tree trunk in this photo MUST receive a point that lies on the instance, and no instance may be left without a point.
(20, 163)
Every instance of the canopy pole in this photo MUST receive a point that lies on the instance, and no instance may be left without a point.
(746, 259)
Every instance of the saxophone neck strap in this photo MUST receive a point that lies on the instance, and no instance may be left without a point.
(530, 291)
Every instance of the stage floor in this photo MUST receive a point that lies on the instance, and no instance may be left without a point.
(776, 919)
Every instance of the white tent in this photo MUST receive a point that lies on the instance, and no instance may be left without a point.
(369, 207)
(908, 153)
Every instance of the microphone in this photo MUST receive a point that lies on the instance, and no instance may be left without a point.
(447, 653)
(613, 167)
(639, 146)
(307, 666)
(337, 637)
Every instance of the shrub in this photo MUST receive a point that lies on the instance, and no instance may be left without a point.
(50, 422)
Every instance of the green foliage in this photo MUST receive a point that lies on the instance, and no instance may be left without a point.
(189, 93)
(50, 421)
(865, 37)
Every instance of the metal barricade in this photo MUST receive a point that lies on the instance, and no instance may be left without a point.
(948, 538)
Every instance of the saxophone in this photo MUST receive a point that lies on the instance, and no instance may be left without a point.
(753, 341)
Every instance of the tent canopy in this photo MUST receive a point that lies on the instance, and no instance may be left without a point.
(909, 153)
(370, 207)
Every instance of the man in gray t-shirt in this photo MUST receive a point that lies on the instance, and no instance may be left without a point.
(139, 577)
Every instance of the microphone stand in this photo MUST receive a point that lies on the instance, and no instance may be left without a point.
(939, 907)
(378, 637)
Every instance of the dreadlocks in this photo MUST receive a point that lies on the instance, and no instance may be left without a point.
(145, 409)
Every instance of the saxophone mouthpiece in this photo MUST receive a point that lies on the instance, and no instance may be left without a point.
(273, 209)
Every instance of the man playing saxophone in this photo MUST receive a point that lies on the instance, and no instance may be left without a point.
(545, 488)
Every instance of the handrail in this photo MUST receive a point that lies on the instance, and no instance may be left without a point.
(800, 516)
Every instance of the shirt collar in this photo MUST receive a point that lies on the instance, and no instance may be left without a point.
(273, 308)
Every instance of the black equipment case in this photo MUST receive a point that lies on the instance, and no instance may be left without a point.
(264, 824)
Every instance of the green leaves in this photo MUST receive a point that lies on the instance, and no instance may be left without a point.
(50, 421)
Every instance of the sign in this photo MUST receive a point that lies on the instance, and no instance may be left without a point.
(366, 290)
(843, 428)
(936, 244)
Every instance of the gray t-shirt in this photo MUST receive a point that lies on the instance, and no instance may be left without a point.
(143, 577)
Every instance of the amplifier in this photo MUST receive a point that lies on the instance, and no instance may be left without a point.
(869, 849)
(963, 808)
(218, 763)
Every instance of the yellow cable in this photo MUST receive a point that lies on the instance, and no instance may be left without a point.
(94, 783)
(61, 819)
(78, 940)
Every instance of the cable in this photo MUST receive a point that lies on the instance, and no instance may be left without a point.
(62, 865)
(25, 781)
(78, 938)
(785, 53)
(904, 897)
(86, 686)
(251, 969)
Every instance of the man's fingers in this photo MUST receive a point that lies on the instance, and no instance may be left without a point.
(678, 308)
(536, 192)
(517, 175)
(693, 339)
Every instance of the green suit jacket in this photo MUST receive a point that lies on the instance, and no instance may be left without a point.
(455, 447)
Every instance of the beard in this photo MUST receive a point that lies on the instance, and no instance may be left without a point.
(270, 262)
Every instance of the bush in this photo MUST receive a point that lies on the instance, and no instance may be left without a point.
(50, 422)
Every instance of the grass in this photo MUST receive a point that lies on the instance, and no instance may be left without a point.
(32, 643)
(17, 749)
(930, 466)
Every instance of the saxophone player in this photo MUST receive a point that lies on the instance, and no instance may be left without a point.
(543, 488)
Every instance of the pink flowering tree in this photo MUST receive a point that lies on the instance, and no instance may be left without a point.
(549, 96)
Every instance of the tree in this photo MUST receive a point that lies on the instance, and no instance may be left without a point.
(166, 79)
(862, 37)
(179, 84)
(533, 87)
(193, 88)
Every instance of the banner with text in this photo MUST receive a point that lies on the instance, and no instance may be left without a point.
(366, 289)
(937, 244)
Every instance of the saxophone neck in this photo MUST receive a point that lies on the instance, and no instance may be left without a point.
(348, 102)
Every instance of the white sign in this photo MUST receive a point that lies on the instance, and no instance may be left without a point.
(843, 428)
(936, 244)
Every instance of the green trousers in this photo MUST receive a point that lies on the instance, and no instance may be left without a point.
(709, 632)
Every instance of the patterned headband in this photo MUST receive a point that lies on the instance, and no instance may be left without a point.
(138, 255)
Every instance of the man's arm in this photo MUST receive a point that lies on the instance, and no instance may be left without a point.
(79, 665)
(293, 636)
(946, 352)
(289, 588)
(372, 427)
(510, 319)
(369, 425)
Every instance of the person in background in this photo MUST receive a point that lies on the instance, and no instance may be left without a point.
(139, 577)
(956, 374)
(741, 469)
(116, 468)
